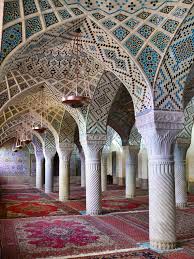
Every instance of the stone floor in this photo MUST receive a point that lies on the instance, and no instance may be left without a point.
(36, 225)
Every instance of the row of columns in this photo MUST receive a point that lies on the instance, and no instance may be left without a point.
(130, 154)
(166, 178)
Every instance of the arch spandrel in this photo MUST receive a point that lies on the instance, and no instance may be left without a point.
(173, 73)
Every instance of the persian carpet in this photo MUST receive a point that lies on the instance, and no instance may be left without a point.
(34, 209)
(57, 236)
(141, 254)
(16, 197)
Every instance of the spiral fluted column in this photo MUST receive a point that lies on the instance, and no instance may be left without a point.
(180, 174)
(39, 169)
(104, 171)
(92, 148)
(83, 168)
(130, 153)
(64, 151)
(49, 169)
(159, 130)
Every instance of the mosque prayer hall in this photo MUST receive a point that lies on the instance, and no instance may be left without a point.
(96, 129)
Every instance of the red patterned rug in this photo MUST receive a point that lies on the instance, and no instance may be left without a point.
(27, 190)
(110, 206)
(14, 197)
(57, 236)
(34, 209)
(122, 205)
(140, 254)
(184, 221)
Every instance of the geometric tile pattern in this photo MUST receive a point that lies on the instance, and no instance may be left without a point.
(29, 7)
(135, 137)
(108, 15)
(170, 25)
(101, 103)
(121, 115)
(11, 11)
(33, 25)
(160, 40)
(145, 31)
(121, 33)
(133, 44)
(149, 60)
(11, 37)
(175, 68)
(188, 123)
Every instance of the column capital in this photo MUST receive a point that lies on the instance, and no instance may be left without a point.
(49, 153)
(39, 154)
(93, 143)
(64, 150)
(159, 130)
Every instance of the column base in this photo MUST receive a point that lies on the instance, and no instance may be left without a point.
(138, 182)
(115, 180)
(48, 190)
(144, 184)
(121, 181)
(63, 198)
(129, 196)
(39, 186)
(162, 245)
(181, 204)
(94, 212)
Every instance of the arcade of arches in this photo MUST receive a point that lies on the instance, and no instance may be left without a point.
(113, 178)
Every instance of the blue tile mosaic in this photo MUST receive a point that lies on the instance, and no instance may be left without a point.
(170, 25)
(11, 38)
(145, 31)
(133, 44)
(120, 33)
(50, 19)
(29, 7)
(64, 14)
(11, 11)
(160, 40)
(149, 60)
(33, 25)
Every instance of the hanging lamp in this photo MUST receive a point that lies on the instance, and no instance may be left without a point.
(26, 136)
(18, 144)
(76, 99)
(38, 127)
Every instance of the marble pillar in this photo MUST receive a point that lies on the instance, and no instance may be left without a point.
(180, 174)
(159, 130)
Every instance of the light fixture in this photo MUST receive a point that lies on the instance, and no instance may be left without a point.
(80, 95)
(26, 135)
(18, 144)
(38, 126)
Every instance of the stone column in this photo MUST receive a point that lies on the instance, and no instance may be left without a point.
(92, 148)
(130, 153)
(83, 168)
(104, 171)
(49, 168)
(39, 169)
(64, 152)
(159, 129)
(180, 174)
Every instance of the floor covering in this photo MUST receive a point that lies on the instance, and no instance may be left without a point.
(36, 225)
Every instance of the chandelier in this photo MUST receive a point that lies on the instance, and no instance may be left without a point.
(80, 95)
(26, 135)
(18, 144)
(38, 125)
